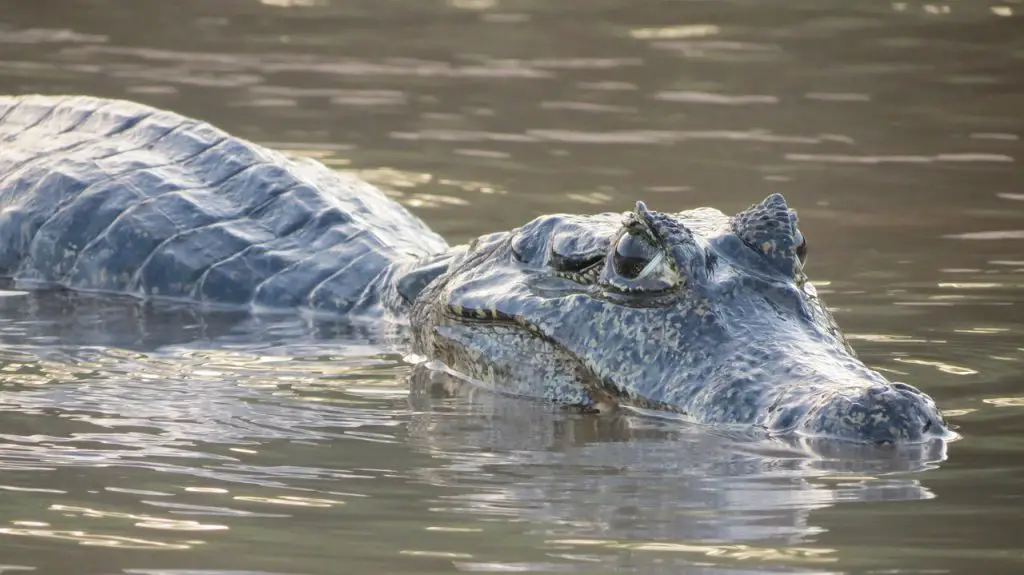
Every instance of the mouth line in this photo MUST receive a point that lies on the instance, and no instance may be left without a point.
(602, 391)
(886, 444)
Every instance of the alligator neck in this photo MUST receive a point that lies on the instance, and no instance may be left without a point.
(401, 283)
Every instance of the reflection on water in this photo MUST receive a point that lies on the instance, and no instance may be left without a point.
(211, 423)
(160, 439)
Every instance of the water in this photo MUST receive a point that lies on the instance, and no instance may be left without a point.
(154, 439)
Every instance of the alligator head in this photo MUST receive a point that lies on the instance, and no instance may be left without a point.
(697, 313)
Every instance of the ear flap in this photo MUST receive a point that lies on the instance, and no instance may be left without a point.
(770, 228)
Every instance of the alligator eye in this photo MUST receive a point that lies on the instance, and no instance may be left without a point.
(801, 248)
(633, 254)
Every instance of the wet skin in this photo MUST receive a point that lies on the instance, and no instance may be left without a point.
(698, 313)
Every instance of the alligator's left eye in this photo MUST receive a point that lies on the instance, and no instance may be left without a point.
(635, 255)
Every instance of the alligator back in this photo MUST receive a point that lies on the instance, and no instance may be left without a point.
(113, 196)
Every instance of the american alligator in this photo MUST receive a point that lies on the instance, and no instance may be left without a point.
(698, 314)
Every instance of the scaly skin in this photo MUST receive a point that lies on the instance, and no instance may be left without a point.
(696, 313)
(726, 329)
(112, 196)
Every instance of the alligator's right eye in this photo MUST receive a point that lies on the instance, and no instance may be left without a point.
(633, 254)
(801, 248)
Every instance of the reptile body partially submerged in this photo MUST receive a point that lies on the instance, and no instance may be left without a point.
(696, 313)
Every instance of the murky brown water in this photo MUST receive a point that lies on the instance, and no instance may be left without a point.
(158, 441)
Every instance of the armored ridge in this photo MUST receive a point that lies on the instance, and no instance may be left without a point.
(705, 315)
(113, 196)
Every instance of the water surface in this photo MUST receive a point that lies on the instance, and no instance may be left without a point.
(152, 439)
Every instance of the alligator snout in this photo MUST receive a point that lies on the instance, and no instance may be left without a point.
(882, 414)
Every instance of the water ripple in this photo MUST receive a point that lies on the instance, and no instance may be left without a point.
(711, 98)
(49, 35)
(185, 442)
(194, 65)
(658, 137)
(901, 159)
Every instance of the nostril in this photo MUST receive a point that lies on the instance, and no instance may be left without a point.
(877, 389)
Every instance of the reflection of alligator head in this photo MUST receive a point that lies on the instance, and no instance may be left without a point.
(620, 481)
(697, 313)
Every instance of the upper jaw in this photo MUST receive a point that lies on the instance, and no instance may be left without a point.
(882, 414)
(835, 396)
